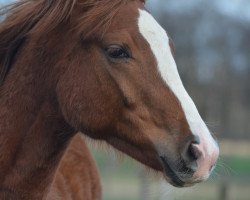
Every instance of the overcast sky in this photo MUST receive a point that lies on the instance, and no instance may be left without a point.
(235, 8)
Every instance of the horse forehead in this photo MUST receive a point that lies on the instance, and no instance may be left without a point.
(152, 30)
(159, 43)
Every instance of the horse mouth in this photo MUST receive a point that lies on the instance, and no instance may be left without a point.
(171, 174)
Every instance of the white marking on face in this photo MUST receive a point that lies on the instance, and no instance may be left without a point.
(158, 40)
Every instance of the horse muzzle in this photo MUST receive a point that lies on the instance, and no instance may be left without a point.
(194, 165)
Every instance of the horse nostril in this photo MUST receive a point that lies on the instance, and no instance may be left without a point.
(194, 152)
(191, 154)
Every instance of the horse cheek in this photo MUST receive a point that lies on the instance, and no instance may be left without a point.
(87, 106)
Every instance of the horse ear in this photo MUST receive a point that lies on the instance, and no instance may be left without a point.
(8, 56)
(13, 31)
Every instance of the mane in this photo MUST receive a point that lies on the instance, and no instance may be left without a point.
(27, 18)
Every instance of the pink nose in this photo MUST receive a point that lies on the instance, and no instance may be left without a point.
(198, 159)
(199, 153)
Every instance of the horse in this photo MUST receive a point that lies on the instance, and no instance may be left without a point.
(104, 68)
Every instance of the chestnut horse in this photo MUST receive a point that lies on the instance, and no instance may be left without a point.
(101, 67)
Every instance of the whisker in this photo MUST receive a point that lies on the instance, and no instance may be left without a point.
(224, 165)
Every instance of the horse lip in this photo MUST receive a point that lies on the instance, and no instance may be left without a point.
(171, 174)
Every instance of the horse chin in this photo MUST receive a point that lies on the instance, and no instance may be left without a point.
(173, 178)
(177, 183)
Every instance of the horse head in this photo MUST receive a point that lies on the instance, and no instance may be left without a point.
(125, 89)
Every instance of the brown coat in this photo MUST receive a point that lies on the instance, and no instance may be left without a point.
(77, 176)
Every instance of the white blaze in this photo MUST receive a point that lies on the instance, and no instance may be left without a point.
(158, 40)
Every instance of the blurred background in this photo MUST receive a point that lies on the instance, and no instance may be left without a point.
(212, 40)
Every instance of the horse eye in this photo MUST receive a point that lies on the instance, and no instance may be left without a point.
(117, 52)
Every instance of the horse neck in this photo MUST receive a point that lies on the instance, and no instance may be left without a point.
(33, 135)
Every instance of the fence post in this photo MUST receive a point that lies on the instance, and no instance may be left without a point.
(144, 186)
(224, 190)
